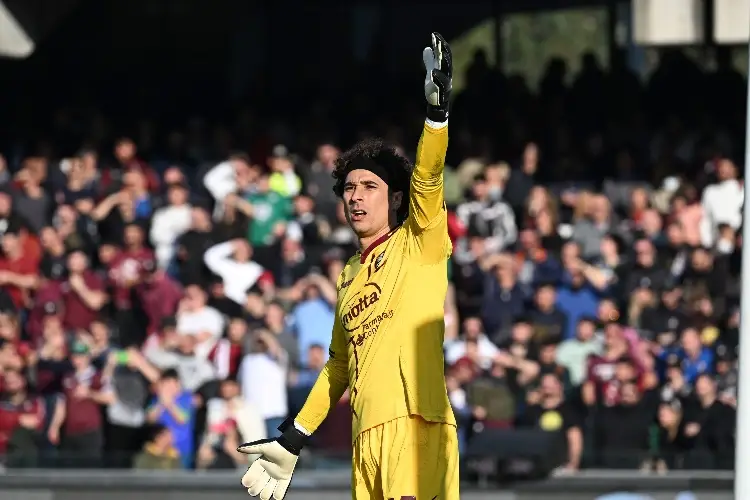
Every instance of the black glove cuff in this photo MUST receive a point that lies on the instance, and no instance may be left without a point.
(437, 114)
(292, 439)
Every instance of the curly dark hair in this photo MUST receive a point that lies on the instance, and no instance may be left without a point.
(386, 156)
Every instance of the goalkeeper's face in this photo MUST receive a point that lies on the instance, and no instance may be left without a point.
(368, 203)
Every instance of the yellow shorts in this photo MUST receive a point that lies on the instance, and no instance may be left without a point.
(406, 459)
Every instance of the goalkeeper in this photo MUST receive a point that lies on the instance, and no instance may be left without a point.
(387, 345)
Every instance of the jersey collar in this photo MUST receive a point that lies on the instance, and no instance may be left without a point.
(375, 244)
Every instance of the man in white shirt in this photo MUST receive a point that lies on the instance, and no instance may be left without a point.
(169, 223)
(722, 203)
(232, 261)
(196, 318)
(237, 174)
(263, 379)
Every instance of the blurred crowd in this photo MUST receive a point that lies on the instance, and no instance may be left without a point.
(172, 296)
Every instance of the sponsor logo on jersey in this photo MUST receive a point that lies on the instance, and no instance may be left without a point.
(358, 310)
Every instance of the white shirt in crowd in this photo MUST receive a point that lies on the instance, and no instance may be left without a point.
(192, 370)
(249, 422)
(456, 349)
(168, 224)
(238, 277)
(722, 204)
(207, 319)
(220, 181)
(263, 381)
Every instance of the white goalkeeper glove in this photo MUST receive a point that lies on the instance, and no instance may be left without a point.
(270, 475)
(438, 82)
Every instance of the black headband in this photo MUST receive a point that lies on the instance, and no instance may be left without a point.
(363, 163)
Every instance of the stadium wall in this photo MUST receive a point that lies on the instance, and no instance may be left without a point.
(333, 485)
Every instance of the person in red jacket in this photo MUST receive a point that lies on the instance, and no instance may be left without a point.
(21, 418)
(126, 154)
(19, 267)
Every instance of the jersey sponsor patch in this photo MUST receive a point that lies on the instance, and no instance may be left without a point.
(360, 307)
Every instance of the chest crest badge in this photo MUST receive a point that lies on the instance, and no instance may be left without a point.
(380, 261)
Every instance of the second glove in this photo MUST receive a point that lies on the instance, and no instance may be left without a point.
(270, 475)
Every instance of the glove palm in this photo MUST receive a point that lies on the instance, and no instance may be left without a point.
(270, 475)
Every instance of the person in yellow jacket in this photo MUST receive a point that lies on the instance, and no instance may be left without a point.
(283, 179)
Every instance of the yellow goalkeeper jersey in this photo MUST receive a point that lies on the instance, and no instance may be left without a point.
(387, 344)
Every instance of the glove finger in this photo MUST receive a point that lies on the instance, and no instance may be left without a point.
(428, 58)
(254, 447)
(437, 38)
(441, 80)
(254, 472)
(446, 58)
(446, 65)
(261, 483)
(281, 487)
(268, 490)
(437, 51)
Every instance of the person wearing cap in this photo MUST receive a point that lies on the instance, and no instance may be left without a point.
(77, 423)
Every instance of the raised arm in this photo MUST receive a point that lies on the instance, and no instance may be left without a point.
(427, 215)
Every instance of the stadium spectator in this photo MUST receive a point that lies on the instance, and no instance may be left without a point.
(21, 417)
(549, 411)
(174, 408)
(263, 377)
(159, 452)
(77, 415)
(169, 223)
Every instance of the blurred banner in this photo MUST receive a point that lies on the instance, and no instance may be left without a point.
(668, 22)
(732, 21)
(24, 23)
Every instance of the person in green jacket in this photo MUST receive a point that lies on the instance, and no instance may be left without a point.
(270, 213)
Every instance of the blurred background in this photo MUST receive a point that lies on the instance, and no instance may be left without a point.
(171, 241)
